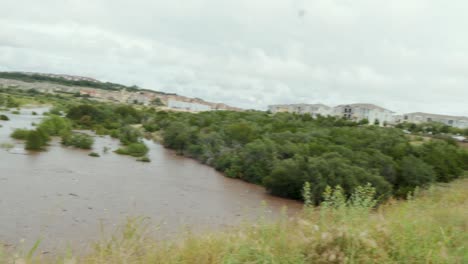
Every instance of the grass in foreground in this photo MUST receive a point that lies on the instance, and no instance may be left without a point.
(430, 227)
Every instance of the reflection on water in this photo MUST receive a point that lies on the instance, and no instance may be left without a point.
(65, 195)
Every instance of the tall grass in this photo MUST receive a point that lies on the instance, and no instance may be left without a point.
(430, 227)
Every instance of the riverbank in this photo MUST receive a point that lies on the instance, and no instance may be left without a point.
(63, 196)
(428, 228)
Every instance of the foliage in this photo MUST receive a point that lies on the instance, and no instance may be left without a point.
(94, 154)
(137, 149)
(433, 128)
(21, 134)
(4, 118)
(414, 172)
(283, 151)
(144, 159)
(78, 140)
(128, 135)
(55, 125)
(36, 139)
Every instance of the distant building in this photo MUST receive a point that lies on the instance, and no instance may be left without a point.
(312, 109)
(355, 112)
(418, 117)
(194, 107)
(371, 112)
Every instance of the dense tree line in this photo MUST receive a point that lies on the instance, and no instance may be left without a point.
(433, 128)
(284, 151)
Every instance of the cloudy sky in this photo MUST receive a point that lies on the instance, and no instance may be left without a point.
(406, 55)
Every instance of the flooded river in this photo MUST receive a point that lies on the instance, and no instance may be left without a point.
(63, 195)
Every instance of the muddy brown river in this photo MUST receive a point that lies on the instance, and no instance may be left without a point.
(64, 196)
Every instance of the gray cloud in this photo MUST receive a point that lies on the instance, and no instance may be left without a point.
(406, 55)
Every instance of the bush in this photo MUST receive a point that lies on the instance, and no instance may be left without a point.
(94, 154)
(55, 125)
(21, 134)
(138, 149)
(4, 118)
(36, 140)
(128, 135)
(78, 140)
(144, 159)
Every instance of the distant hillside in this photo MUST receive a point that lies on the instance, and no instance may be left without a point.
(51, 83)
(66, 80)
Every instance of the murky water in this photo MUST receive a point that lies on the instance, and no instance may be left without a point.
(63, 195)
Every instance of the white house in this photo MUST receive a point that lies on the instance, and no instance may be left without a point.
(371, 112)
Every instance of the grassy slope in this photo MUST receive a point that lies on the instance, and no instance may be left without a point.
(430, 228)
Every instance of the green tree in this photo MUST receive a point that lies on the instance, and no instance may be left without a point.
(414, 172)
(36, 140)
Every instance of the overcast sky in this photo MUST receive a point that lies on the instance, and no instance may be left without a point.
(406, 55)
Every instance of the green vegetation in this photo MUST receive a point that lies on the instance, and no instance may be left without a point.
(433, 128)
(36, 139)
(94, 154)
(21, 134)
(144, 159)
(284, 151)
(4, 118)
(137, 149)
(78, 140)
(55, 125)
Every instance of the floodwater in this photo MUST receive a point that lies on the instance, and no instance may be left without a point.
(64, 196)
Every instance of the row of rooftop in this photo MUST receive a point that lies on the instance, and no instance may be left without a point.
(371, 112)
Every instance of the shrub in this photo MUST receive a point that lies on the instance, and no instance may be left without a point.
(55, 125)
(144, 159)
(4, 118)
(21, 134)
(78, 140)
(128, 135)
(138, 149)
(36, 140)
(94, 154)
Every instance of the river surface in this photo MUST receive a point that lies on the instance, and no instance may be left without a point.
(64, 196)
